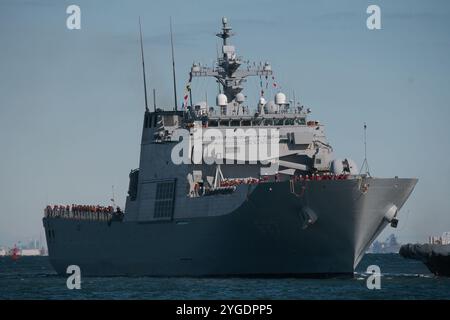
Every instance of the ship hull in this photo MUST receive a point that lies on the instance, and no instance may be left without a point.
(312, 229)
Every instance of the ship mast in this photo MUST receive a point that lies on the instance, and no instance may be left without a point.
(173, 68)
(227, 71)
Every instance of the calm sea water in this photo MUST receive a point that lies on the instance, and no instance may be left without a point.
(34, 278)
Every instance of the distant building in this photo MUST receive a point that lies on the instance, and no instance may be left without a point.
(30, 252)
(444, 239)
(31, 247)
(390, 245)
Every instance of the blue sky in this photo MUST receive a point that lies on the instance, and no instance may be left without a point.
(71, 101)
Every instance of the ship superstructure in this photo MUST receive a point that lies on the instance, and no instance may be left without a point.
(228, 189)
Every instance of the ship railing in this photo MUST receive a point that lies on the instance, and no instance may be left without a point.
(318, 177)
(277, 178)
(79, 215)
(229, 185)
(240, 181)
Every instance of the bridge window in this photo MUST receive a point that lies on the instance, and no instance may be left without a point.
(289, 122)
(213, 123)
(278, 122)
(300, 121)
(257, 122)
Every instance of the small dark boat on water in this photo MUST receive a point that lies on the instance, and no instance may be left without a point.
(435, 256)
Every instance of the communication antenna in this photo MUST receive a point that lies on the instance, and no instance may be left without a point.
(365, 164)
(173, 67)
(143, 65)
(154, 99)
(295, 101)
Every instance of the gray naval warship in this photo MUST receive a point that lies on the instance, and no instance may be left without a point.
(309, 215)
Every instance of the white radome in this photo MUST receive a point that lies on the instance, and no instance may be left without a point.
(222, 100)
(240, 98)
(271, 107)
(280, 98)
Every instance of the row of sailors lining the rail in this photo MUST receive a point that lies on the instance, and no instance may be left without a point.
(318, 177)
(236, 182)
(80, 210)
(276, 178)
(200, 189)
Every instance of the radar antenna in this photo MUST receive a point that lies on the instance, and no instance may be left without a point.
(365, 164)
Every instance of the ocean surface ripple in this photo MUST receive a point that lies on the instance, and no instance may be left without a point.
(34, 278)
